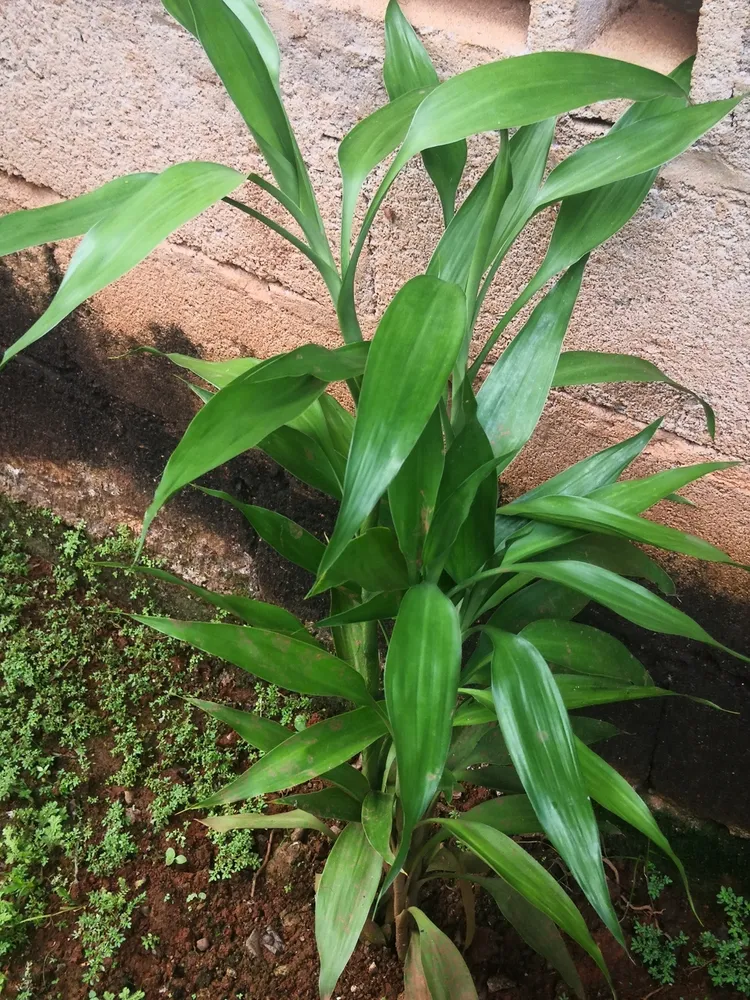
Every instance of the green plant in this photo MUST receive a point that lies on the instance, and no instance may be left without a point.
(657, 951)
(484, 660)
(150, 942)
(173, 858)
(103, 927)
(728, 960)
(656, 881)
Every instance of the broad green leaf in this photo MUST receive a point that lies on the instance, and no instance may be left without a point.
(589, 474)
(216, 373)
(235, 56)
(264, 735)
(512, 814)
(215, 436)
(445, 971)
(345, 893)
(32, 226)
(500, 777)
(523, 90)
(373, 560)
(377, 608)
(292, 820)
(251, 17)
(615, 554)
(421, 680)
(413, 493)
(632, 150)
(331, 803)
(624, 597)
(252, 612)
(527, 877)
(542, 599)
(586, 650)
(579, 691)
(304, 457)
(513, 395)
(461, 530)
(408, 364)
(612, 791)
(276, 658)
(377, 822)
(312, 753)
(537, 732)
(329, 365)
(415, 984)
(534, 927)
(407, 67)
(636, 495)
(631, 496)
(597, 367)
(367, 145)
(288, 538)
(128, 233)
(586, 514)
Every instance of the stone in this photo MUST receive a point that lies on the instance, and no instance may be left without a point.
(202, 944)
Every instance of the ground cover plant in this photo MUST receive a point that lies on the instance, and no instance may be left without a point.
(474, 602)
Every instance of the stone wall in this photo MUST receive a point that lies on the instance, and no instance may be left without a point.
(91, 91)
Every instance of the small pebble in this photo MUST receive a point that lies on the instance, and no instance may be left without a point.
(372, 968)
(202, 944)
(500, 983)
(253, 945)
(128, 796)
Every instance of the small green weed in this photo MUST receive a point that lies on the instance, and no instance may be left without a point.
(125, 994)
(727, 959)
(150, 942)
(656, 881)
(171, 857)
(102, 929)
(657, 950)
(116, 846)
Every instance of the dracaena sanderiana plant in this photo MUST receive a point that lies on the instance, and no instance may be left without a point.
(484, 656)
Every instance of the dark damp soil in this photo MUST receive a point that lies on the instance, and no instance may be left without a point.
(184, 931)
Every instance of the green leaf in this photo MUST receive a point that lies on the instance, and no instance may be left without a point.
(415, 984)
(264, 735)
(586, 514)
(377, 608)
(276, 658)
(32, 226)
(542, 599)
(294, 819)
(511, 814)
(624, 597)
(534, 927)
(616, 554)
(311, 753)
(407, 67)
(252, 612)
(527, 877)
(632, 150)
(579, 691)
(216, 373)
(413, 493)
(421, 680)
(373, 560)
(523, 90)
(128, 233)
(612, 791)
(637, 495)
(513, 395)
(597, 367)
(304, 457)
(235, 56)
(331, 803)
(252, 19)
(408, 364)
(537, 732)
(346, 891)
(377, 822)
(583, 649)
(444, 970)
(365, 146)
(288, 538)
